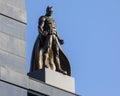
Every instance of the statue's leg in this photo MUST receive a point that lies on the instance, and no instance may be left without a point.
(51, 59)
(46, 47)
(45, 58)
(56, 53)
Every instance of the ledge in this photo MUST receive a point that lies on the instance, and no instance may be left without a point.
(23, 81)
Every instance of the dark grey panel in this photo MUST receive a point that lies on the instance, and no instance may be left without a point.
(13, 62)
(15, 78)
(12, 45)
(12, 27)
(16, 3)
(13, 9)
(10, 90)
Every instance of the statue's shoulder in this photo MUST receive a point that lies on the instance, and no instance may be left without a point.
(42, 18)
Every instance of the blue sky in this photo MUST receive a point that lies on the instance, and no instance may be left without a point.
(91, 31)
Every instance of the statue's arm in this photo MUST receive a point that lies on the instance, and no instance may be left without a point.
(41, 25)
(60, 40)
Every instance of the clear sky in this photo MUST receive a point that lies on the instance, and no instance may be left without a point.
(91, 31)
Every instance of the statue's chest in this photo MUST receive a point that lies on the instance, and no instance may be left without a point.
(50, 22)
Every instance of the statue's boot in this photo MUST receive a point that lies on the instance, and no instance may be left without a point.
(62, 71)
(58, 66)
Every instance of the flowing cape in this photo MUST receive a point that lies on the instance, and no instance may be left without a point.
(37, 61)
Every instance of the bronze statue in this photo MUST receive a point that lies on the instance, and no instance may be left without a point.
(47, 51)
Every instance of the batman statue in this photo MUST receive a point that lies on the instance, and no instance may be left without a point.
(47, 51)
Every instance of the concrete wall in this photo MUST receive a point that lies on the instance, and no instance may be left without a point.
(12, 48)
(14, 9)
(10, 90)
(12, 35)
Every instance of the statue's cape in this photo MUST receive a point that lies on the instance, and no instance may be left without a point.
(35, 59)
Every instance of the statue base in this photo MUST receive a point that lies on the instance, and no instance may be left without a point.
(54, 78)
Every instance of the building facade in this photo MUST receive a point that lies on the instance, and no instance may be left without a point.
(14, 80)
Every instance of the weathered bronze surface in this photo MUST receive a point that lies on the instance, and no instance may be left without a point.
(47, 51)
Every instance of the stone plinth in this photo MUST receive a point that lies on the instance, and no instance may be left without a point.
(54, 78)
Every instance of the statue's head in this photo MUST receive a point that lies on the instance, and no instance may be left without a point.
(49, 11)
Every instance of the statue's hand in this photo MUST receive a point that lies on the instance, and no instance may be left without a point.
(61, 41)
(44, 33)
